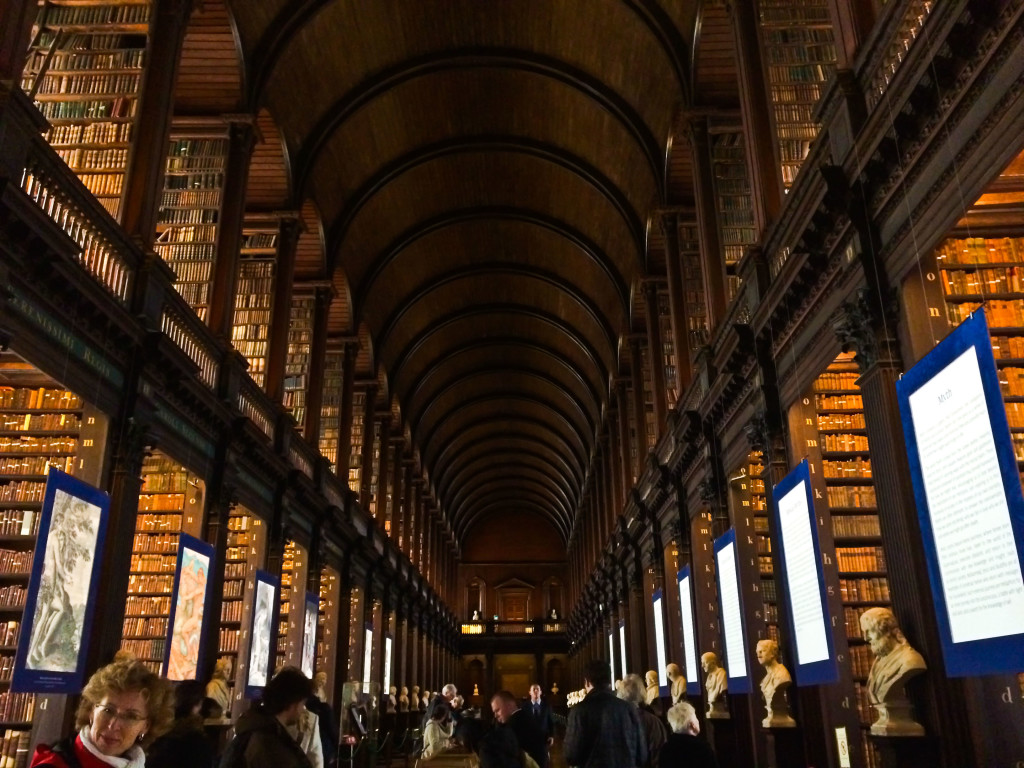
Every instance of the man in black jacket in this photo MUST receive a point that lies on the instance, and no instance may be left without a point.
(531, 740)
(540, 713)
(603, 731)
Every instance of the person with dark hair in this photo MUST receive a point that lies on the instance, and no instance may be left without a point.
(186, 742)
(528, 735)
(124, 708)
(261, 735)
(603, 731)
(495, 748)
(437, 734)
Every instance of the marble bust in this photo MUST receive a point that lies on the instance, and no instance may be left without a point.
(677, 681)
(895, 663)
(716, 684)
(651, 678)
(774, 684)
(403, 699)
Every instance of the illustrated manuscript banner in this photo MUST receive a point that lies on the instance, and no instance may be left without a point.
(61, 598)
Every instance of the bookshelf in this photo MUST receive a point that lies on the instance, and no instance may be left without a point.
(375, 507)
(84, 72)
(244, 554)
(254, 294)
(693, 286)
(850, 494)
(327, 632)
(187, 222)
(763, 543)
(41, 425)
(294, 570)
(648, 383)
(296, 373)
(990, 271)
(170, 503)
(355, 457)
(799, 59)
(668, 350)
(355, 634)
(732, 200)
(330, 409)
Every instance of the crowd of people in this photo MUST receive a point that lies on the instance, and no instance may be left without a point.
(129, 717)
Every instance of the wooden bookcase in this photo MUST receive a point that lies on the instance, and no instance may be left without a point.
(293, 593)
(799, 59)
(668, 350)
(693, 285)
(246, 547)
(374, 434)
(733, 202)
(759, 508)
(845, 466)
(254, 296)
(170, 503)
(189, 215)
(327, 632)
(651, 429)
(355, 458)
(330, 409)
(296, 374)
(84, 71)
(42, 425)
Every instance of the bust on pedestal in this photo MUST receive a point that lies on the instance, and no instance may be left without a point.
(677, 681)
(651, 678)
(716, 684)
(403, 699)
(774, 684)
(895, 663)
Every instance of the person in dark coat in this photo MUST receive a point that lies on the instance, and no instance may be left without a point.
(529, 737)
(685, 748)
(262, 731)
(186, 743)
(655, 733)
(603, 731)
(540, 712)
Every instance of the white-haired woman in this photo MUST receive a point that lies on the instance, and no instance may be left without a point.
(685, 747)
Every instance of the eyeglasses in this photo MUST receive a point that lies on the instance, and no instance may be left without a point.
(109, 713)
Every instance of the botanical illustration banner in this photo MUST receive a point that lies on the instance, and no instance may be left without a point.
(62, 588)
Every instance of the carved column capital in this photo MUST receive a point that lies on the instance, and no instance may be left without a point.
(866, 325)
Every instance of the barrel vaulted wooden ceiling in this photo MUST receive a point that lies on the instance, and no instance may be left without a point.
(482, 181)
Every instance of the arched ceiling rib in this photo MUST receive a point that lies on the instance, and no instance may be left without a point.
(484, 174)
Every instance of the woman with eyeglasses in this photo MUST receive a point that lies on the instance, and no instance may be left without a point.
(124, 708)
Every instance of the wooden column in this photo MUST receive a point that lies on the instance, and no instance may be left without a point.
(639, 407)
(765, 175)
(369, 438)
(384, 441)
(317, 362)
(16, 19)
(625, 459)
(242, 141)
(348, 379)
(712, 258)
(852, 22)
(147, 157)
(677, 301)
(616, 489)
(281, 308)
(654, 344)
(397, 485)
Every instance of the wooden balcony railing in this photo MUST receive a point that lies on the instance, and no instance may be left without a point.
(253, 402)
